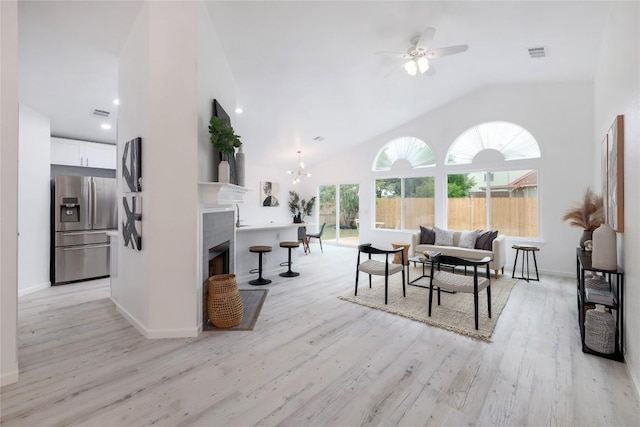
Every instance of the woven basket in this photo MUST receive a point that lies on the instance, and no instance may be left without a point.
(224, 303)
(600, 331)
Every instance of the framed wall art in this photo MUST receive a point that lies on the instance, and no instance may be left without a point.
(270, 193)
(614, 210)
(132, 222)
(132, 165)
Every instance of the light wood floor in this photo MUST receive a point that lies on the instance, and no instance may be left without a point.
(312, 360)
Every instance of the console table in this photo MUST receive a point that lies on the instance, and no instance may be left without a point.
(615, 279)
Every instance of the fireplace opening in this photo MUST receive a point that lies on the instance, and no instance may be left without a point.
(218, 264)
(219, 259)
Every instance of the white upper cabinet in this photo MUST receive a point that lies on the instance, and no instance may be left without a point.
(72, 152)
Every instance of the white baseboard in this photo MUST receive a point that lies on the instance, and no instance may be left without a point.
(9, 377)
(34, 288)
(635, 381)
(155, 333)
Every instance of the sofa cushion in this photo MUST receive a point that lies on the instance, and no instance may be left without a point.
(427, 235)
(443, 237)
(485, 240)
(468, 239)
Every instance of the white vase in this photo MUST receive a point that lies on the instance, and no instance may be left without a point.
(224, 171)
(604, 255)
(240, 167)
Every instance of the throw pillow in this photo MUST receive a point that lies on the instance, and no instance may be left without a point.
(443, 237)
(468, 239)
(485, 240)
(427, 236)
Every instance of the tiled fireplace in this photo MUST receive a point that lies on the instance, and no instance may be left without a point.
(218, 248)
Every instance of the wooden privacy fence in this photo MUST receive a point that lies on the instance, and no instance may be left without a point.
(513, 217)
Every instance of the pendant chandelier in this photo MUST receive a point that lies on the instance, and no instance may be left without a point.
(299, 172)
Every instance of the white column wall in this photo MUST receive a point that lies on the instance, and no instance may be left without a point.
(8, 192)
(34, 195)
(171, 212)
(171, 69)
(617, 91)
(560, 117)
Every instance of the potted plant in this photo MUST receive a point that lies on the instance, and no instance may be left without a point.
(225, 140)
(300, 208)
(587, 214)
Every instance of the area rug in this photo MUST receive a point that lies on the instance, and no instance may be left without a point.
(455, 312)
(252, 301)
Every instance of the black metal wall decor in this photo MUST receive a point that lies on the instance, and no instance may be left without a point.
(132, 165)
(132, 223)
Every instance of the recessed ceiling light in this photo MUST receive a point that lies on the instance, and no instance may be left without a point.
(239, 110)
(116, 101)
(105, 126)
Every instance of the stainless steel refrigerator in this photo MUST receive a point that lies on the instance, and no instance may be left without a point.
(84, 208)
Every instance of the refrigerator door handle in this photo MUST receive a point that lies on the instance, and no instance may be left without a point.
(81, 233)
(94, 203)
(83, 247)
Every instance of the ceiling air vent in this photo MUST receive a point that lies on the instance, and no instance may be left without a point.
(101, 113)
(318, 138)
(538, 52)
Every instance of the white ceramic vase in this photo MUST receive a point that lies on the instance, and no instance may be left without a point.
(224, 171)
(604, 255)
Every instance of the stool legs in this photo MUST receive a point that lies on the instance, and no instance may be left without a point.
(525, 253)
(259, 281)
(289, 273)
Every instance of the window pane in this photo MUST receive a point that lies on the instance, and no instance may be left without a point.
(418, 202)
(514, 203)
(388, 192)
(327, 212)
(416, 152)
(349, 208)
(466, 202)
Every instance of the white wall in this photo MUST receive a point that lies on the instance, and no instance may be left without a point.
(560, 117)
(130, 289)
(8, 191)
(617, 91)
(34, 195)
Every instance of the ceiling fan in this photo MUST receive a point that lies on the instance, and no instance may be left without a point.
(419, 53)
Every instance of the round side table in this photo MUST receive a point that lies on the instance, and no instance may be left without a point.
(397, 259)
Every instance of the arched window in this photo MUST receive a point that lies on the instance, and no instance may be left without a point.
(493, 141)
(404, 202)
(495, 198)
(404, 153)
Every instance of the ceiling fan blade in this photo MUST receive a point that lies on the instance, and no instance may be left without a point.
(395, 54)
(425, 39)
(394, 70)
(445, 51)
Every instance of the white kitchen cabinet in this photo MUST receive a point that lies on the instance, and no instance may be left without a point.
(72, 152)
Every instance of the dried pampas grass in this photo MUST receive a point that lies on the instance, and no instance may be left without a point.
(587, 214)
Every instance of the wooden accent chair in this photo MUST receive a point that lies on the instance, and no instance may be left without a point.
(460, 283)
(380, 268)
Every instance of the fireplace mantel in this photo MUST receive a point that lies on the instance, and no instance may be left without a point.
(217, 193)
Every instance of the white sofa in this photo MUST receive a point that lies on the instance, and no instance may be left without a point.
(498, 253)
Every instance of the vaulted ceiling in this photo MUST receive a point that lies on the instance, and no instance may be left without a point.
(308, 68)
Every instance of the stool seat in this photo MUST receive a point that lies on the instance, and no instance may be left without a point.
(526, 249)
(289, 246)
(259, 250)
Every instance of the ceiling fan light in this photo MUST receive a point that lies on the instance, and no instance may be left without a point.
(411, 67)
(423, 64)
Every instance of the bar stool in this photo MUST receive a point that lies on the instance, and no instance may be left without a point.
(289, 246)
(259, 250)
(526, 251)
